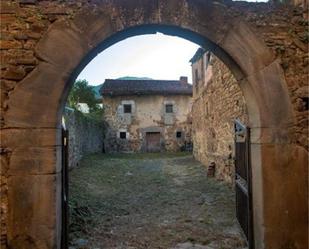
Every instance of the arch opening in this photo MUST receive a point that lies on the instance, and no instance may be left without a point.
(78, 39)
(153, 29)
(171, 31)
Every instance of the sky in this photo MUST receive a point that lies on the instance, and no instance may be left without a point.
(156, 56)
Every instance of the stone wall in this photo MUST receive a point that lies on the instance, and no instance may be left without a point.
(4, 200)
(217, 102)
(148, 115)
(85, 135)
(283, 28)
(285, 31)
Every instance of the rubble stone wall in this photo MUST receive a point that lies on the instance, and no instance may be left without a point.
(148, 115)
(283, 28)
(285, 31)
(86, 136)
(217, 102)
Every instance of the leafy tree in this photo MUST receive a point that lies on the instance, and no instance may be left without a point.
(82, 92)
(96, 114)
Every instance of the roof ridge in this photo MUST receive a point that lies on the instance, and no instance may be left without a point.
(140, 80)
(115, 87)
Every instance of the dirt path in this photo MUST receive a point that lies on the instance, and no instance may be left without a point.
(150, 201)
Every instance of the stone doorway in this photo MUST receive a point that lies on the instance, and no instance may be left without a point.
(31, 135)
(153, 141)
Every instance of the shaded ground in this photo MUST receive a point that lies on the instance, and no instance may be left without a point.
(150, 201)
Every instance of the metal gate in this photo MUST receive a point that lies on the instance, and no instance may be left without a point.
(65, 190)
(243, 188)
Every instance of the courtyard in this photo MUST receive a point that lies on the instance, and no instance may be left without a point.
(158, 200)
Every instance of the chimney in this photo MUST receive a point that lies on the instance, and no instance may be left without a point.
(183, 80)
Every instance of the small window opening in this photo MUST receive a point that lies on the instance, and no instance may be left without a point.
(127, 108)
(207, 60)
(196, 77)
(178, 134)
(123, 135)
(169, 108)
(305, 103)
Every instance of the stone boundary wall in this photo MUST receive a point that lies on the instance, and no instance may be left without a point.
(85, 136)
(217, 104)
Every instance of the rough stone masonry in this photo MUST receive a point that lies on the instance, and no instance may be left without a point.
(85, 135)
(147, 115)
(217, 102)
(282, 27)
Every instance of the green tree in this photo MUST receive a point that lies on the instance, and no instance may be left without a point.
(82, 92)
(96, 114)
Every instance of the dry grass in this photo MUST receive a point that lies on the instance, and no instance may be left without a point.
(150, 201)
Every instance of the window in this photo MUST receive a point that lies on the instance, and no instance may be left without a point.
(169, 108)
(178, 134)
(123, 135)
(196, 77)
(208, 57)
(127, 108)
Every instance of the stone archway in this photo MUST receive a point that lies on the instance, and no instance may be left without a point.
(32, 120)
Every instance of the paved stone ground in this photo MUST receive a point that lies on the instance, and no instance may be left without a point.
(150, 201)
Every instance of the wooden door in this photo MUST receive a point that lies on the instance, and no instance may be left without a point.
(243, 177)
(153, 141)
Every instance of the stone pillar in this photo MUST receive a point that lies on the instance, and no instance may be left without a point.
(34, 187)
(279, 190)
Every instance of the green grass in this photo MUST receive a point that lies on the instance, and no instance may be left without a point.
(162, 198)
(144, 155)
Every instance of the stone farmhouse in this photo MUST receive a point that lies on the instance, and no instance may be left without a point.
(45, 44)
(147, 115)
(217, 103)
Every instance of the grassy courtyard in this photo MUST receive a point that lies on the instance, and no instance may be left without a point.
(150, 201)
